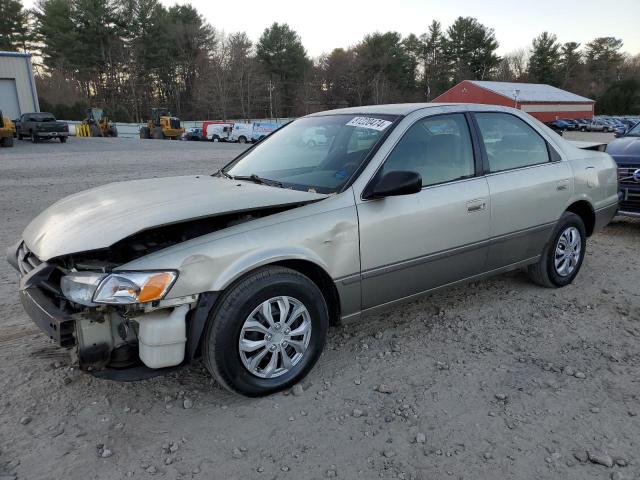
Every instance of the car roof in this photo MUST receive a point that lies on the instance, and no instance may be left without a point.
(388, 109)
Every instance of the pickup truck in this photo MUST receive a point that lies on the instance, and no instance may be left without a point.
(41, 125)
(596, 125)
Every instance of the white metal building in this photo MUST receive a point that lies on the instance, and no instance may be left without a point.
(17, 86)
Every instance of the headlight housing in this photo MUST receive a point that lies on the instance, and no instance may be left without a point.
(79, 287)
(125, 288)
(122, 288)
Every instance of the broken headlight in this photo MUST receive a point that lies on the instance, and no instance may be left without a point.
(79, 287)
(125, 288)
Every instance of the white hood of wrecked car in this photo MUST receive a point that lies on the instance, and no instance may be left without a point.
(99, 217)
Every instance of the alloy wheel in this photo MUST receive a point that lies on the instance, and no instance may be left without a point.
(567, 252)
(275, 337)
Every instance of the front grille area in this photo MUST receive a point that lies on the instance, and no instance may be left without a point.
(625, 175)
(630, 188)
(49, 283)
(630, 201)
(27, 261)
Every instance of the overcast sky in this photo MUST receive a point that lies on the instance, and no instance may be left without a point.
(326, 24)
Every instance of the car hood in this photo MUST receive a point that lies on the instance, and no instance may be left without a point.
(625, 149)
(99, 217)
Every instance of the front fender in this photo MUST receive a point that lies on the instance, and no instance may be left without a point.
(324, 233)
(259, 258)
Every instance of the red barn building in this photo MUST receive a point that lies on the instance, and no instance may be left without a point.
(544, 102)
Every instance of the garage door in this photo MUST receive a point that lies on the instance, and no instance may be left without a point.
(9, 98)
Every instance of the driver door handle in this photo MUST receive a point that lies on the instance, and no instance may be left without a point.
(476, 205)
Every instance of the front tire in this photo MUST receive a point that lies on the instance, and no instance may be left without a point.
(266, 332)
(563, 255)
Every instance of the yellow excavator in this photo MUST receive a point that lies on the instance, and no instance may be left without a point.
(96, 124)
(7, 131)
(162, 125)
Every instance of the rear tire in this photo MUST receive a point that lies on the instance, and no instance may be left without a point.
(113, 131)
(7, 142)
(63, 139)
(35, 138)
(242, 139)
(550, 271)
(238, 305)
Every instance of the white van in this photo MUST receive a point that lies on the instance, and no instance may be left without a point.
(241, 132)
(219, 132)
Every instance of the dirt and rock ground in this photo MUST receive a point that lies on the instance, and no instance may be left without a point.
(498, 379)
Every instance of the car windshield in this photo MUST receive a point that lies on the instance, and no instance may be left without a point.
(634, 132)
(313, 153)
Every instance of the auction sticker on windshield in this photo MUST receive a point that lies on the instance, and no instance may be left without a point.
(369, 122)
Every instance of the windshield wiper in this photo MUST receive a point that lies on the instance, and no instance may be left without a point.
(256, 179)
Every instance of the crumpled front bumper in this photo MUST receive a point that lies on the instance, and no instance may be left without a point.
(57, 324)
(36, 296)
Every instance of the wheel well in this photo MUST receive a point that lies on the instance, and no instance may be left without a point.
(324, 282)
(584, 210)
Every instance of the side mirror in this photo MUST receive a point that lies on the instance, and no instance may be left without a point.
(394, 183)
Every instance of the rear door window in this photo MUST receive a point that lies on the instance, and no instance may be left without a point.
(509, 142)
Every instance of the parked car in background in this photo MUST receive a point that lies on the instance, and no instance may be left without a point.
(582, 122)
(596, 125)
(626, 152)
(41, 126)
(193, 134)
(629, 122)
(217, 131)
(572, 123)
(620, 130)
(251, 265)
(560, 125)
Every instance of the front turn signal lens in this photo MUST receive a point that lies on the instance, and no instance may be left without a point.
(155, 287)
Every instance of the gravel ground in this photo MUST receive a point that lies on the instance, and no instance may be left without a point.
(494, 380)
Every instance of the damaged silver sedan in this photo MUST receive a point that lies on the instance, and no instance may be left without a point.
(249, 266)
